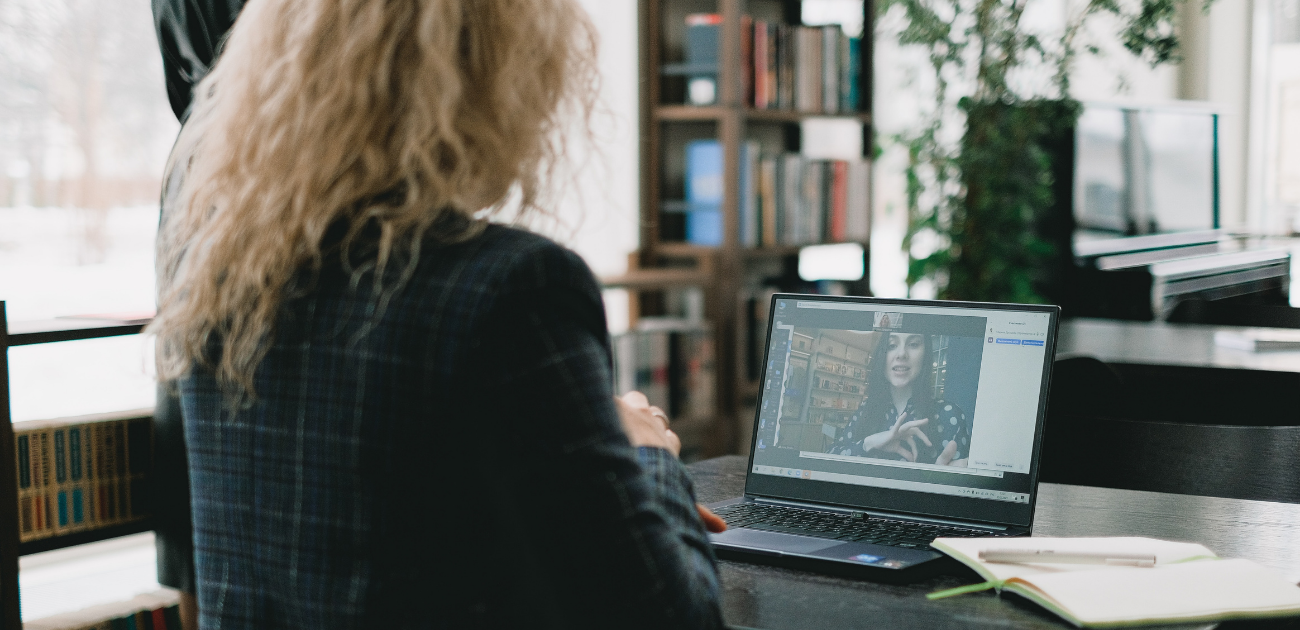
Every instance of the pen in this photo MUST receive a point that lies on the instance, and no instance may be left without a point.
(1123, 559)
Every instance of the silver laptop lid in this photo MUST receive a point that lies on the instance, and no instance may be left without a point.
(930, 408)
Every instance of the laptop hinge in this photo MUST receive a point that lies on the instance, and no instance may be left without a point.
(800, 504)
(889, 515)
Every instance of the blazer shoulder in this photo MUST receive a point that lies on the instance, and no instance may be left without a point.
(529, 260)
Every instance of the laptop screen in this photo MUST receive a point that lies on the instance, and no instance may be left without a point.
(923, 407)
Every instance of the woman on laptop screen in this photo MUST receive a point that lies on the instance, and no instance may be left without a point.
(900, 417)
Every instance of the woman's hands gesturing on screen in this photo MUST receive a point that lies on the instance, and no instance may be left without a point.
(900, 438)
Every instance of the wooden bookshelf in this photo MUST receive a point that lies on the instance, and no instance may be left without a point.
(734, 271)
(30, 333)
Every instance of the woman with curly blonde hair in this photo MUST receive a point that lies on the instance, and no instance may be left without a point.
(398, 413)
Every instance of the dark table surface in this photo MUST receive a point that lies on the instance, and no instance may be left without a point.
(758, 596)
(1159, 343)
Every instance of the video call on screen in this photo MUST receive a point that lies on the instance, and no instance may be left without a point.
(941, 400)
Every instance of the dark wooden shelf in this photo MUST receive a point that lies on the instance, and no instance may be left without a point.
(692, 112)
(688, 250)
(775, 251)
(54, 330)
(718, 112)
(656, 279)
(83, 537)
(685, 250)
(785, 115)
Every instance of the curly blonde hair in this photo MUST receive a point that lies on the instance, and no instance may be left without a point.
(398, 114)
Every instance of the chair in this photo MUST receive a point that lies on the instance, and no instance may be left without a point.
(1089, 441)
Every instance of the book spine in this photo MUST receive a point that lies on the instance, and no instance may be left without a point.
(704, 189)
(813, 201)
(846, 73)
(772, 66)
(793, 206)
(659, 356)
(858, 201)
(814, 70)
(122, 487)
(699, 371)
(767, 200)
(803, 95)
(41, 466)
(855, 74)
(749, 219)
(62, 516)
(107, 481)
(831, 69)
(759, 70)
(839, 200)
(76, 462)
(747, 58)
(91, 437)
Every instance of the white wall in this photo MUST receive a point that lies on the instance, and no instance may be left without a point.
(599, 211)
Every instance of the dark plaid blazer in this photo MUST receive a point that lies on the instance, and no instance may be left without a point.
(453, 460)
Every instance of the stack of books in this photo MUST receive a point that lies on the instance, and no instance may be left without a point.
(810, 69)
(789, 199)
(671, 362)
(79, 474)
(785, 198)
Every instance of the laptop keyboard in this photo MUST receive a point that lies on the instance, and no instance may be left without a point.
(859, 528)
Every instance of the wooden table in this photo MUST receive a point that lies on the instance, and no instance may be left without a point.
(756, 596)
(1162, 344)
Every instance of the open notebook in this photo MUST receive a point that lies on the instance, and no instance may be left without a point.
(1187, 584)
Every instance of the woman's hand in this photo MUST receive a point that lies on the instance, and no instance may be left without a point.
(892, 439)
(946, 457)
(712, 522)
(646, 425)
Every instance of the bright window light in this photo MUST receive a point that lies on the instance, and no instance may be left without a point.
(842, 261)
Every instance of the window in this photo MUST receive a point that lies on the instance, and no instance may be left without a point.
(85, 130)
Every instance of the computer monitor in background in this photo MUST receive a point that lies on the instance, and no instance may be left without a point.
(1145, 170)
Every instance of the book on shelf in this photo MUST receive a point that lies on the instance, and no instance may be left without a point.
(702, 58)
(79, 474)
(704, 188)
(671, 361)
(788, 199)
(810, 69)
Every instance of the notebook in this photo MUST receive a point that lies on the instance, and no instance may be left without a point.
(884, 424)
(1187, 584)
(1258, 339)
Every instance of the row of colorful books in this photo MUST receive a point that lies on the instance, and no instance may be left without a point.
(789, 199)
(84, 473)
(810, 69)
(671, 362)
(785, 198)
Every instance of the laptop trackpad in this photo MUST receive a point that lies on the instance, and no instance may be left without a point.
(758, 539)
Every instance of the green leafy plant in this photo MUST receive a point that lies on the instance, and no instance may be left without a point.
(982, 196)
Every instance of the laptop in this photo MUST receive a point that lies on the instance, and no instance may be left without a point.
(884, 424)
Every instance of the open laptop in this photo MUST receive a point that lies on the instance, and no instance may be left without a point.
(883, 424)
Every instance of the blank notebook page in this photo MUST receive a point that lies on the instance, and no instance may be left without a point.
(1180, 591)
